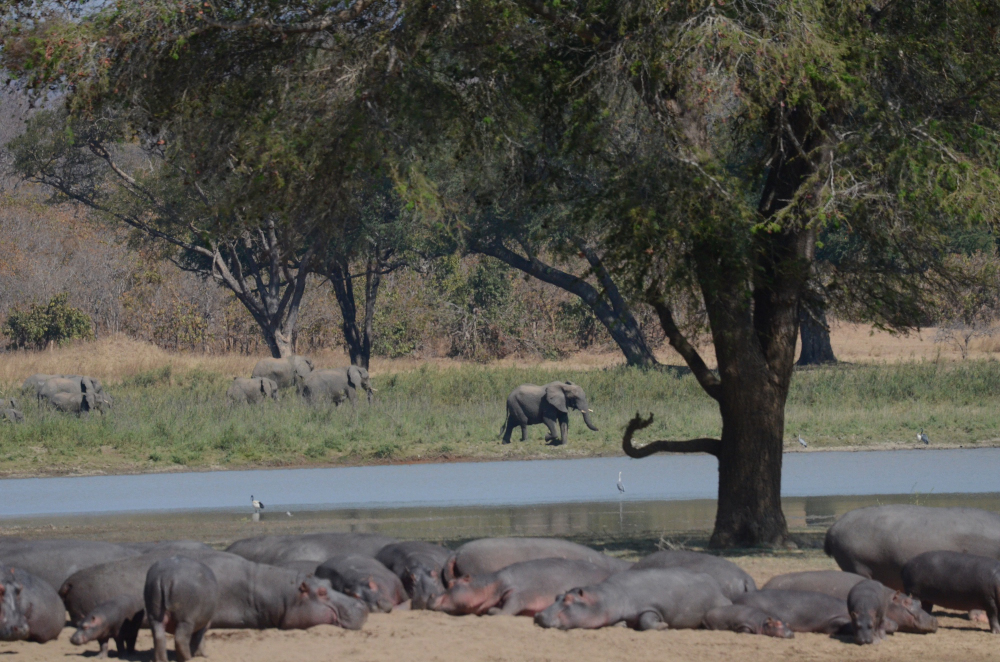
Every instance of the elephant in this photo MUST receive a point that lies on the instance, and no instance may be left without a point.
(529, 404)
(252, 391)
(35, 383)
(77, 395)
(336, 385)
(11, 412)
(284, 372)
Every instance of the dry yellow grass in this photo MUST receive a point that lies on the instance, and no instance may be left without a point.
(119, 357)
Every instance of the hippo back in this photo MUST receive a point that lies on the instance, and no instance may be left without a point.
(487, 555)
(318, 547)
(55, 560)
(733, 580)
(876, 542)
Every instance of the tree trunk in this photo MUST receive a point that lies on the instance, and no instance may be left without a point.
(279, 344)
(358, 339)
(749, 504)
(815, 335)
(616, 316)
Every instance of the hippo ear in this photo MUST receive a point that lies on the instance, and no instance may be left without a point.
(556, 397)
(304, 588)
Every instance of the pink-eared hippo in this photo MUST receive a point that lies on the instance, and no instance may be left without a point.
(486, 555)
(520, 589)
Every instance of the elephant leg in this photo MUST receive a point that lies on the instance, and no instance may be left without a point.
(552, 435)
(353, 396)
(524, 432)
(509, 428)
(563, 428)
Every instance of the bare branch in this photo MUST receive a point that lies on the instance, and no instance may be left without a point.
(708, 380)
(702, 445)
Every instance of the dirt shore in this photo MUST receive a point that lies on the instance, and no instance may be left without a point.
(424, 636)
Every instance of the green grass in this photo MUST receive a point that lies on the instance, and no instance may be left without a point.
(164, 419)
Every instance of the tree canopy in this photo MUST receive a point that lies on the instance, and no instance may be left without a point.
(692, 155)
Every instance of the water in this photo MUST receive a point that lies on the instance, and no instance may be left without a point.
(589, 483)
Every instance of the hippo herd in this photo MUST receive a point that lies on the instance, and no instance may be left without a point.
(937, 556)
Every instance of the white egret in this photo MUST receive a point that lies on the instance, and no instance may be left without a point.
(621, 488)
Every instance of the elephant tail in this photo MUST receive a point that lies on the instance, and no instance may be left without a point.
(503, 428)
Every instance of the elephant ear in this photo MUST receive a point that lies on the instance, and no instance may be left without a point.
(354, 376)
(556, 396)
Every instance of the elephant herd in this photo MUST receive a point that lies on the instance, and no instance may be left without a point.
(897, 562)
(75, 394)
(528, 404)
(270, 376)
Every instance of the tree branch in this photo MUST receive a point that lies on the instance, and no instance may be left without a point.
(708, 379)
(702, 445)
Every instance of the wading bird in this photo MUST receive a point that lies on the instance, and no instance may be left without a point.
(621, 488)
(257, 505)
(802, 442)
(923, 437)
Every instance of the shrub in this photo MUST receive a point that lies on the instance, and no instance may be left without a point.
(41, 326)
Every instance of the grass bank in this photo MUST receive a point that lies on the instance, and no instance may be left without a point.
(170, 418)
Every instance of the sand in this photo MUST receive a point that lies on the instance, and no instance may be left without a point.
(418, 636)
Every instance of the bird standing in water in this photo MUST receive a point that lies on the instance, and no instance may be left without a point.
(257, 505)
(621, 488)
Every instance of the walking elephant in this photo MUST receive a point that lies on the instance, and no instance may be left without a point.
(529, 404)
(252, 391)
(285, 372)
(336, 385)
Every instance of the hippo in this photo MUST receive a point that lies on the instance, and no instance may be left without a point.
(802, 611)
(955, 581)
(418, 565)
(364, 578)
(178, 546)
(40, 604)
(305, 567)
(520, 589)
(867, 604)
(746, 620)
(730, 576)
(54, 560)
(876, 542)
(13, 622)
(119, 618)
(651, 599)
(251, 595)
(180, 597)
(902, 610)
(487, 555)
(317, 547)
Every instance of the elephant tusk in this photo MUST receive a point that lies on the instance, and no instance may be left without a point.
(374, 390)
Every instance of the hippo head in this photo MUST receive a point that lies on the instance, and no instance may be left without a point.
(865, 626)
(13, 624)
(466, 595)
(578, 608)
(424, 586)
(905, 614)
(772, 627)
(369, 593)
(316, 603)
(93, 626)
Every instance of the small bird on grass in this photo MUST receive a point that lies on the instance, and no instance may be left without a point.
(802, 442)
(257, 505)
(923, 437)
(621, 488)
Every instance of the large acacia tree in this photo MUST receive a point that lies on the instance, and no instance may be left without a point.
(702, 146)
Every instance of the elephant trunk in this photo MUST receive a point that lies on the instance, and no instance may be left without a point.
(586, 419)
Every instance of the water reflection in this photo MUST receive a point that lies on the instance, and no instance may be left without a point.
(624, 518)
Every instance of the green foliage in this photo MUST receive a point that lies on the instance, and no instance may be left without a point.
(40, 325)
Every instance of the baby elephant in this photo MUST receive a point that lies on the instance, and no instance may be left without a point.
(10, 412)
(252, 391)
(955, 581)
(181, 595)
